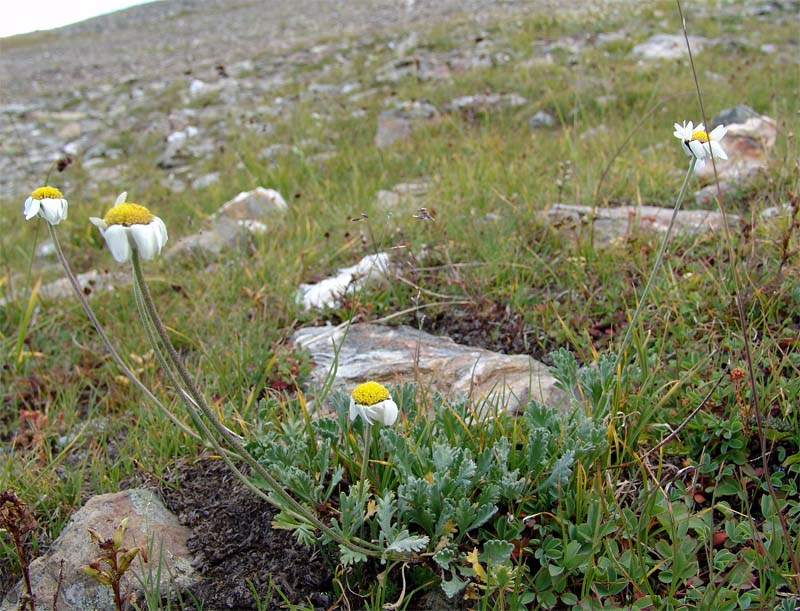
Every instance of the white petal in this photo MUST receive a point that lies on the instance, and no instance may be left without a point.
(368, 413)
(353, 409)
(99, 223)
(699, 128)
(161, 228)
(686, 148)
(145, 237)
(683, 132)
(31, 208)
(389, 415)
(121, 198)
(54, 210)
(717, 150)
(718, 133)
(698, 150)
(49, 211)
(117, 239)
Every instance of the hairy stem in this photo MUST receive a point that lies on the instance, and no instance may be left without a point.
(659, 260)
(231, 438)
(365, 457)
(107, 343)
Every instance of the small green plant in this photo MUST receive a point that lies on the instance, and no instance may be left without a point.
(113, 562)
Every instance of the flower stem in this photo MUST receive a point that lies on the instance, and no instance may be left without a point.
(365, 456)
(193, 396)
(659, 259)
(106, 342)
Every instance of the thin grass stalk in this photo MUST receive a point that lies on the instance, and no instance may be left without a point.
(762, 438)
(107, 343)
(659, 259)
(230, 438)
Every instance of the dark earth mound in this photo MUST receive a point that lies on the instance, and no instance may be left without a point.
(234, 543)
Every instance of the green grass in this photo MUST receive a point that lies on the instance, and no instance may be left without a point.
(646, 524)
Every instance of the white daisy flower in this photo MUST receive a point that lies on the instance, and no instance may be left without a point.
(127, 226)
(373, 403)
(700, 144)
(47, 202)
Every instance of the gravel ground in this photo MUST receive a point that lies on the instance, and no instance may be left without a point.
(166, 39)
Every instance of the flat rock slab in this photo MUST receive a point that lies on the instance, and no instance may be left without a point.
(623, 221)
(149, 524)
(393, 355)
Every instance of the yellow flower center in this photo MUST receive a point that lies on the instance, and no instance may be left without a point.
(370, 393)
(47, 193)
(128, 214)
(700, 134)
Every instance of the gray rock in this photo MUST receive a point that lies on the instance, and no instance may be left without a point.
(667, 46)
(404, 195)
(173, 183)
(598, 131)
(778, 211)
(748, 146)
(486, 102)
(274, 150)
(105, 173)
(542, 119)
(327, 293)
(242, 68)
(206, 180)
(90, 282)
(396, 124)
(225, 233)
(149, 524)
(256, 204)
(70, 131)
(198, 87)
(423, 68)
(417, 110)
(176, 150)
(610, 224)
(392, 355)
(392, 127)
(708, 194)
(323, 157)
(737, 114)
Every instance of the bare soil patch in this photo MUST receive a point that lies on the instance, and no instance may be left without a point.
(234, 543)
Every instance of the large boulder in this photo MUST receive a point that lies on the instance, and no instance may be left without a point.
(748, 143)
(393, 355)
(150, 524)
